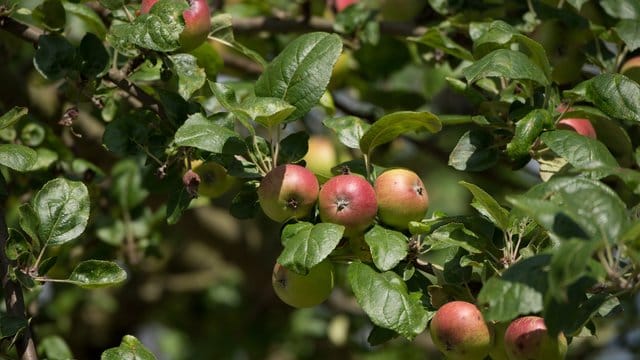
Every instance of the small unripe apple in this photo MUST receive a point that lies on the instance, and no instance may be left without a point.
(288, 192)
(303, 290)
(459, 331)
(348, 200)
(526, 338)
(197, 22)
(631, 69)
(321, 156)
(214, 180)
(401, 196)
(581, 126)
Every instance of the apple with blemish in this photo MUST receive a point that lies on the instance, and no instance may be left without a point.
(197, 22)
(527, 338)
(288, 192)
(459, 331)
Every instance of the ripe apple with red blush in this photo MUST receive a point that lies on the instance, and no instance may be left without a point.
(197, 22)
(527, 338)
(342, 4)
(348, 200)
(459, 331)
(579, 125)
(288, 192)
(401, 197)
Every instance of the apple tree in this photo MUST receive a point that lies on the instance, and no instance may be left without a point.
(310, 178)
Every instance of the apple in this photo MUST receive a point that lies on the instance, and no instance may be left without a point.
(302, 291)
(214, 180)
(197, 22)
(348, 200)
(579, 125)
(401, 197)
(526, 338)
(459, 331)
(631, 69)
(321, 156)
(342, 4)
(288, 192)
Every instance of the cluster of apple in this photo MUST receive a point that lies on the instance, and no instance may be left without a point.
(291, 191)
(459, 331)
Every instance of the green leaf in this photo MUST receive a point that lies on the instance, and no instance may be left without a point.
(519, 291)
(505, 63)
(474, 152)
(349, 129)
(55, 348)
(293, 148)
(386, 300)
(127, 184)
(158, 30)
(177, 204)
(306, 244)
(190, 76)
(455, 235)
(17, 157)
(205, 134)
(62, 210)
(301, 72)
(580, 151)
(395, 124)
(29, 222)
(54, 57)
(621, 9)
(488, 206)
(127, 132)
(245, 204)
(17, 245)
(88, 16)
(569, 263)
(112, 4)
(50, 14)
(615, 95)
(266, 111)
(93, 57)
(130, 349)
(527, 131)
(222, 31)
(388, 247)
(92, 274)
(437, 39)
(629, 32)
(10, 325)
(12, 116)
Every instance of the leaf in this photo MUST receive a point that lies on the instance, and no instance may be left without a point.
(55, 348)
(62, 211)
(388, 247)
(245, 204)
(12, 116)
(127, 184)
(92, 274)
(10, 325)
(505, 63)
(301, 72)
(93, 57)
(222, 31)
(190, 76)
(266, 111)
(204, 134)
(50, 14)
(629, 32)
(474, 152)
(569, 263)
(527, 131)
(386, 300)
(395, 124)
(54, 57)
(88, 17)
(127, 132)
(130, 349)
(488, 206)
(160, 29)
(349, 129)
(519, 290)
(29, 222)
(615, 95)
(437, 39)
(306, 244)
(293, 148)
(17, 157)
(621, 9)
(456, 235)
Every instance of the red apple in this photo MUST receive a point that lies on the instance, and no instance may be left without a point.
(348, 200)
(401, 197)
(303, 290)
(197, 22)
(342, 4)
(581, 126)
(288, 191)
(526, 338)
(459, 331)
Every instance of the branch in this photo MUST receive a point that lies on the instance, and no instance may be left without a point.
(117, 77)
(277, 25)
(13, 297)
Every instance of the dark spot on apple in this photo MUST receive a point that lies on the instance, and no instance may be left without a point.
(419, 190)
(292, 203)
(342, 204)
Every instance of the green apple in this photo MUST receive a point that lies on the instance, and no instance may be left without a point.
(526, 338)
(321, 156)
(303, 291)
(288, 192)
(459, 331)
(213, 178)
(401, 196)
